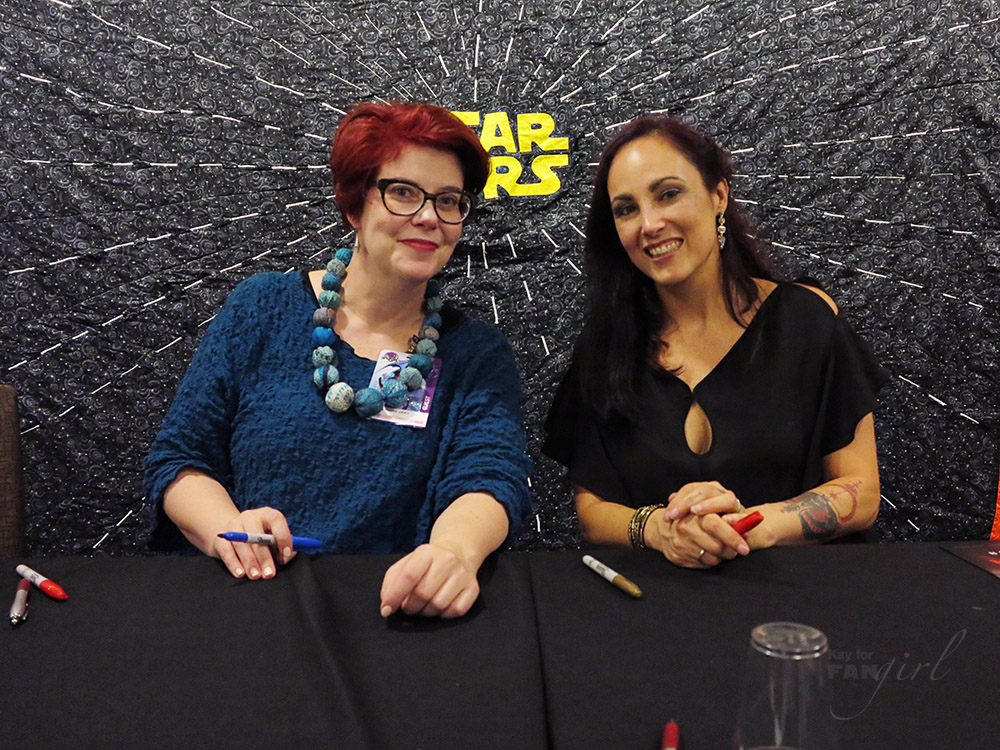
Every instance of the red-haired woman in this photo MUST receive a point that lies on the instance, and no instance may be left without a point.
(302, 407)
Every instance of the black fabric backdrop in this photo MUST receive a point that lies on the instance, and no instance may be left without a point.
(155, 153)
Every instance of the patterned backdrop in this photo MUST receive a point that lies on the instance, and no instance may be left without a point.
(156, 153)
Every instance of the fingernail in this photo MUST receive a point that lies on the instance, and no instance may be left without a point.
(386, 610)
(743, 549)
(268, 572)
(672, 513)
(696, 509)
(286, 553)
(239, 572)
(254, 572)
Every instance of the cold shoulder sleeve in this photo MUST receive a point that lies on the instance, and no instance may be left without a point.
(197, 428)
(484, 439)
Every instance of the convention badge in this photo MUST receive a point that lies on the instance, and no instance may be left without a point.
(418, 405)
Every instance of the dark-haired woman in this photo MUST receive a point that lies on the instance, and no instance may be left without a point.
(280, 425)
(701, 386)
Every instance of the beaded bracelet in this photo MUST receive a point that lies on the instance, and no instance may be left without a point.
(637, 526)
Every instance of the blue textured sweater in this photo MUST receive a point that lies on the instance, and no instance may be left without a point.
(248, 415)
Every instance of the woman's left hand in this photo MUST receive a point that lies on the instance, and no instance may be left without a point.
(431, 581)
(701, 499)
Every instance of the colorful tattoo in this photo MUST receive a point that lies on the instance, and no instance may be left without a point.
(851, 488)
(816, 514)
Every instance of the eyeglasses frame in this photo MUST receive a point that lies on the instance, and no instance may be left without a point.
(432, 197)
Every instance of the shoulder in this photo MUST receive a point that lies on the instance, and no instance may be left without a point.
(819, 293)
(263, 285)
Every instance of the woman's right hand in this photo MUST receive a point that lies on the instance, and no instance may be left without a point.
(694, 541)
(255, 560)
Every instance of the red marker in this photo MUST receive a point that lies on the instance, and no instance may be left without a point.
(671, 736)
(51, 588)
(746, 523)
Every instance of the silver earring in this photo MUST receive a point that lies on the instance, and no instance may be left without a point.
(721, 229)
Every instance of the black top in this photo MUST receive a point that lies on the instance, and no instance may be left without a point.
(790, 391)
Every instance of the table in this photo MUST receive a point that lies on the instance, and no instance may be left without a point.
(173, 652)
(616, 669)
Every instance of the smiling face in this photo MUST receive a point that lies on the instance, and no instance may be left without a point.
(664, 215)
(413, 247)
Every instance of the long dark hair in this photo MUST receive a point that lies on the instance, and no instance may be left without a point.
(624, 314)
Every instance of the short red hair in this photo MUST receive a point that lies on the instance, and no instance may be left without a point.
(373, 134)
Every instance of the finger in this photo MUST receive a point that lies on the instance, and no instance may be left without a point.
(274, 522)
(462, 603)
(401, 579)
(725, 535)
(247, 554)
(723, 502)
(229, 558)
(680, 503)
(447, 593)
(259, 562)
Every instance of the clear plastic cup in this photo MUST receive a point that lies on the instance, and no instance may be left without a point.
(785, 702)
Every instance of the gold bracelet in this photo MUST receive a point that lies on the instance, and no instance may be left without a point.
(637, 525)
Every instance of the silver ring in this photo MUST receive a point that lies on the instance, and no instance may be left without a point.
(700, 555)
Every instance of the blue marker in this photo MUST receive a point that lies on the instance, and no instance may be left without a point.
(298, 542)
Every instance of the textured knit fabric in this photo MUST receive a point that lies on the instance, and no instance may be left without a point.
(790, 391)
(248, 415)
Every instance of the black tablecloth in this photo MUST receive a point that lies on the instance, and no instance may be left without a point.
(616, 669)
(173, 652)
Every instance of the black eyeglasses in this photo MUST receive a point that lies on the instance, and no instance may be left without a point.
(404, 198)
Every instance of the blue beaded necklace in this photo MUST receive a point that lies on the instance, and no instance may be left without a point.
(337, 394)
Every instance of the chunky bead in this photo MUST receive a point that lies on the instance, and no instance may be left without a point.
(429, 332)
(331, 281)
(395, 394)
(324, 316)
(411, 378)
(426, 346)
(433, 304)
(329, 298)
(433, 289)
(338, 267)
(422, 363)
(324, 355)
(340, 397)
(323, 336)
(368, 402)
(325, 376)
(434, 319)
(344, 255)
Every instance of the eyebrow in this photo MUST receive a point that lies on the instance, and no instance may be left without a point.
(652, 187)
(445, 189)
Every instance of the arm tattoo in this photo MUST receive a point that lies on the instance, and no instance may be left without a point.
(816, 514)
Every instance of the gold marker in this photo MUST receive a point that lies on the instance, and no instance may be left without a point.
(614, 577)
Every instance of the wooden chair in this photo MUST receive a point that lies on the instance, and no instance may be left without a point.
(12, 515)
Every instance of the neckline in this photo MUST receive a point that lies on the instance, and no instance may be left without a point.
(735, 345)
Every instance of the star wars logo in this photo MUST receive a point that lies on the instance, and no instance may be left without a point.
(523, 153)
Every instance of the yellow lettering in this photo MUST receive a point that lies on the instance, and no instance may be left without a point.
(504, 173)
(469, 118)
(497, 132)
(542, 166)
(537, 127)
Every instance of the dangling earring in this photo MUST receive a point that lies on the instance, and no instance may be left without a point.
(720, 227)
(357, 241)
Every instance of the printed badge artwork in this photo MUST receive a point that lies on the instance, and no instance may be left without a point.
(418, 407)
